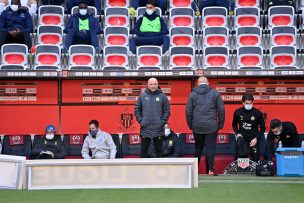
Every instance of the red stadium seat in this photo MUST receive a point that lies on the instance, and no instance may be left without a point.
(247, 3)
(118, 3)
(180, 3)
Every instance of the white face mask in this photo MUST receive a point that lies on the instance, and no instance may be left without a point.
(167, 132)
(248, 107)
(149, 11)
(83, 12)
(14, 7)
(49, 136)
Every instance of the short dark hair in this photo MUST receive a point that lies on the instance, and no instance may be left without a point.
(152, 2)
(247, 97)
(95, 122)
(274, 123)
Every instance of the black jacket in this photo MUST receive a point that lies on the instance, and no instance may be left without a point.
(289, 135)
(152, 111)
(205, 111)
(249, 123)
(55, 145)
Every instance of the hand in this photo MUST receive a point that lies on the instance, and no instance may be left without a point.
(239, 135)
(13, 32)
(132, 12)
(253, 142)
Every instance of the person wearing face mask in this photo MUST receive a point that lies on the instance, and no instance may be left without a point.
(162, 4)
(50, 146)
(248, 123)
(150, 29)
(16, 25)
(284, 132)
(95, 3)
(205, 114)
(99, 143)
(82, 28)
(32, 5)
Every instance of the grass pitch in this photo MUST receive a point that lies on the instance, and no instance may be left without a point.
(222, 189)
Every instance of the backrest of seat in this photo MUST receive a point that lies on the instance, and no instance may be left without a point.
(247, 3)
(116, 140)
(50, 34)
(226, 144)
(73, 143)
(216, 56)
(18, 145)
(283, 35)
(47, 55)
(180, 3)
(149, 56)
(281, 16)
(249, 36)
(282, 56)
(182, 56)
(215, 36)
(14, 54)
(116, 36)
(214, 16)
(130, 145)
(182, 36)
(181, 17)
(116, 56)
(187, 143)
(82, 55)
(51, 15)
(117, 3)
(250, 56)
(247, 16)
(117, 16)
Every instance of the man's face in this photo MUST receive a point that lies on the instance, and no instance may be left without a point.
(150, 7)
(15, 2)
(92, 127)
(248, 102)
(153, 85)
(277, 130)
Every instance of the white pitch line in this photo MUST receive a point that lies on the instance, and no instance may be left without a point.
(251, 181)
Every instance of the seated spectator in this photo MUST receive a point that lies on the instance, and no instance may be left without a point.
(16, 25)
(52, 2)
(150, 29)
(50, 146)
(31, 4)
(162, 4)
(71, 3)
(284, 132)
(98, 143)
(82, 28)
(171, 145)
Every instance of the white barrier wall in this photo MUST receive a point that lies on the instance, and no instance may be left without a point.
(12, 173)
(117, 173)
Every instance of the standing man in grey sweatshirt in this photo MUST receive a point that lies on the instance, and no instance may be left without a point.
(205, 113)
(99, 143)
(152, 111)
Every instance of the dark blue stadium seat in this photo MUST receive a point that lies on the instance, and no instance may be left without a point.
(18, 145)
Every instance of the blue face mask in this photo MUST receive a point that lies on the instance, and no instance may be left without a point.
(93, 132)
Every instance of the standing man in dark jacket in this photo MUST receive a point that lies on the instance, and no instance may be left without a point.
(248, 123)
(205, 113)
(284, 132)
(83, 28)
(152, 111)
(150, 29)
(16, 25)
(49, 146)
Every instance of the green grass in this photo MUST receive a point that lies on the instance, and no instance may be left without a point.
(224, 189)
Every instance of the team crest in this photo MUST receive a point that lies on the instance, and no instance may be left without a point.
(126, 120)
(76, 139)
(252, 118)
(134, 139)
(190, 139)
(15, 140)
(157, 99)
(243, 163)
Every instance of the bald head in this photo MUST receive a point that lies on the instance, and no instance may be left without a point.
(152, 84)
(202, 80)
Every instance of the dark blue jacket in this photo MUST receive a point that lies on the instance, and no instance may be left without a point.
(73, 23)
(164, 29)
(152, 111)
(21, 19)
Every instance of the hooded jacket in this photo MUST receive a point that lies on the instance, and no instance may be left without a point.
(21, 19)
(152, 111)
(205, 111)
(54, 145)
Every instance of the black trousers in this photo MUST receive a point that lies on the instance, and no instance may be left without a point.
(22, 38)
(158, 145)
(254, 152)
(208, 141)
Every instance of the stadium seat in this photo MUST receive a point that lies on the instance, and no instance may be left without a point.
(248, 16)
(215, 36)
(216, 57)
(115, 58)
(130, 146)
(281, 16)
(91, 10)
(48, 57)
(282, 57)
(81, 57)
(50, 35)
(182, 57)
(117, 16)
(247, 3)
(17, 145)
(116, 140)
(73, 145)
(117, 3)
(149, 57)
(51, 15)
(14, 57)
(283, 35)
(249, 36)
(181, 17)
(116, 36)
(180, 3)
(249, 57)
(140, 11)
(214, 17)
(182, 36)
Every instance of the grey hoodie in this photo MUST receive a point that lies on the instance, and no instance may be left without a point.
(205, 111)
